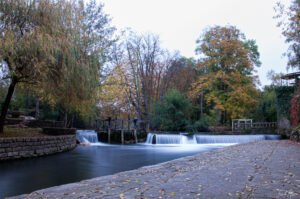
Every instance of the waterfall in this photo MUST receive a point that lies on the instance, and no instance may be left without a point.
(208, 139)
(205, 139)
(189, 139)
(149, 138)
(168, 139)
(164, 139)
(87, 136)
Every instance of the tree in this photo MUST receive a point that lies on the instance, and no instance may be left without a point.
(55, 47)
(146, 63)
(227, 63)
(172, 112)
(30, 32)
(266, 110)
(275, 78)
(91, 39)
(114, 95)
(180, 75)
(289, 21)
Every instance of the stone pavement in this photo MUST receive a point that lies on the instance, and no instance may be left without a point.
(263, 169)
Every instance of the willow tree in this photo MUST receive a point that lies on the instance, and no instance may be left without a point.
(91, 39)
(51, 46)
(30, 32)
(228, 61)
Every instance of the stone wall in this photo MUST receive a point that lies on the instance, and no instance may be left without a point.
(15, 148)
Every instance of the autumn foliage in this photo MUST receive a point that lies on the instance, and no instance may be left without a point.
(228, 61)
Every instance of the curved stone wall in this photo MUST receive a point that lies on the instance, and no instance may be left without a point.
(15, 148)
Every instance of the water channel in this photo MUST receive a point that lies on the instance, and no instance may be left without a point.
(94, 159)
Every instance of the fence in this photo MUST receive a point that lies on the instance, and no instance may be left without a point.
(253, 125)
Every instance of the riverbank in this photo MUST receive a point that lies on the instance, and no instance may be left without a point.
(263, 169)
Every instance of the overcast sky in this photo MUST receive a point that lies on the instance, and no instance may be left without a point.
(180, 22)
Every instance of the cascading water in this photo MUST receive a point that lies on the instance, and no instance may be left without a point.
(189, 139)
(87, 136)
(149, 138)
(170, 139)
(209, 139)
(205, 139)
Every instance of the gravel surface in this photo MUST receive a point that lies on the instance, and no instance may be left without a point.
(263, 169)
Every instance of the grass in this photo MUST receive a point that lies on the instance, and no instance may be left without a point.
(22, 132)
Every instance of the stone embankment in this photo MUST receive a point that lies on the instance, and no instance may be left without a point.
(263, 169)
(15, 148)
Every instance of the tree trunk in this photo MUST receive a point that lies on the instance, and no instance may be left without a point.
(37, 108)
(201, 105)
(66, 119)
(6, 103)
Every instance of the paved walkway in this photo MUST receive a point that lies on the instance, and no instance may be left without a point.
(264, 169)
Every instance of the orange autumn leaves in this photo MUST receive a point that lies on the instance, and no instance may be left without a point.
(227, 61)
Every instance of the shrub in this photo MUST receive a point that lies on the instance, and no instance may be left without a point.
(171, 113)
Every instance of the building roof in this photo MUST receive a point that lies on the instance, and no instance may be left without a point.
(288, 76)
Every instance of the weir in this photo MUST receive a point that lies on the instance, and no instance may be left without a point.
(205, 139)
(87, 136)
(211, 139)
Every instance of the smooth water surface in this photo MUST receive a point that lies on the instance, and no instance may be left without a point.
(84, 162)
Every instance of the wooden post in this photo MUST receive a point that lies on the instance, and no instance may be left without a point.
(122, 136)
(135, 136)
(103, 125)
(109, 130)
(96, 124)
(135, 130)
(109, 135)
(122, 132)
(128, 123)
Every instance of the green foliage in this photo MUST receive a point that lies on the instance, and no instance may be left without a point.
(266, 110)
(18, 102)
(3, 91)
(202, 124)
(49, 112)
(172, 112)
(284, 95)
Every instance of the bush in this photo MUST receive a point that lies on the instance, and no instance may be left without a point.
(201, 125)
(295, 134)
(172, 112)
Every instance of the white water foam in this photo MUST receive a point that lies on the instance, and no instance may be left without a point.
(88, 137)
(181, 139)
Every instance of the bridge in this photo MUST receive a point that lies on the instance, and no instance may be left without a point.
(123, 126)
